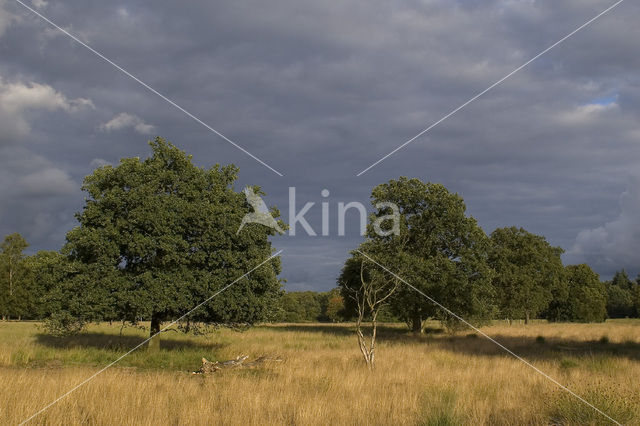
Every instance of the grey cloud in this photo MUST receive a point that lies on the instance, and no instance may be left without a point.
(616, 244)
(125, 121)
(6, 17)
(18, 99)
(32, 175)
(99, 162)
(36, 196)
(47, 182)
(40, 4)
(321, 90)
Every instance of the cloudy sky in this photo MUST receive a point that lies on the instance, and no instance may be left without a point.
(321, 90)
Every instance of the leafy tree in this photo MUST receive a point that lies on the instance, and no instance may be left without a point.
(45, 272)
(335, 306)
(12, 276)
(528, 271)
(585, 299)
(157, 237)
(311, 306)
(621, 279)
(437, 248)
(300, 306)
(621, 296)
(28, 296)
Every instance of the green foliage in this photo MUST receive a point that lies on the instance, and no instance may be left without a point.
(300, 306)
(43, 271)
(585, 297)
(528, 272)
(80, 294)
(439, 250)
(622, 294)
(14, 285)
(157, 237)
(311, 306)
(335, 311)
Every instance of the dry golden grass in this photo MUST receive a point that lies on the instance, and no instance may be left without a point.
(435, 379)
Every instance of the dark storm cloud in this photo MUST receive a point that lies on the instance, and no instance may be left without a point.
(320, 91)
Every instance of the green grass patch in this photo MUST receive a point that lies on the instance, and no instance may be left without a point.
(568, 363)
(103, 344)
(439, 408)
(568, 410)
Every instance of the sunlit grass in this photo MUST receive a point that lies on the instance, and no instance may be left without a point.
(435, 379)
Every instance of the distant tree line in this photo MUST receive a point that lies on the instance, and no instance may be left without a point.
(441, 253)
(159, 235)
(27, 281)
(311, 306)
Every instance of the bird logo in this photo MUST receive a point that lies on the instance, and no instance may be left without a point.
(260, 213)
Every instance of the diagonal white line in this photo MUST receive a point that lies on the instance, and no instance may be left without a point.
(85, 381)
(491, 87)
(435, 302)
(146, 86)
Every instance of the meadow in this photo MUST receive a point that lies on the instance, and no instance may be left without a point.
(434, 379)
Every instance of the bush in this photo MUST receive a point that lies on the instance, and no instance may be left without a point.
(63, 324)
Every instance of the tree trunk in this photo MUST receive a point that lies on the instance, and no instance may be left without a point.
(416, 323)
(526, 317)
(154, 344)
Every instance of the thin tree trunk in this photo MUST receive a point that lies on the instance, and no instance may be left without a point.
(10, 276)
(154, 344)
(374, 331)
(526, 317)
(416, 323)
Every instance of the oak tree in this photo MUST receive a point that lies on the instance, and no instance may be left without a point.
(158, 236)
(528, 271)
(438, 248)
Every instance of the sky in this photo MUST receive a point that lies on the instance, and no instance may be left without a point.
(321, 90)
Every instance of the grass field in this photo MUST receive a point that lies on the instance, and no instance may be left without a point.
(435, 379)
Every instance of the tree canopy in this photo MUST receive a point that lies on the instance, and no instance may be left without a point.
(622, 296)
(14, 291)
(583, 300)
(528, 271)
(158, 236)
(438, 249)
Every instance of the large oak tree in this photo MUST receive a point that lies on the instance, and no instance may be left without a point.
(437, 248)
(157, 237)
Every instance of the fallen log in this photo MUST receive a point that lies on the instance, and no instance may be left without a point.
(239, 362)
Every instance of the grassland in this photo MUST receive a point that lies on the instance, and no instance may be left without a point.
(435, 379)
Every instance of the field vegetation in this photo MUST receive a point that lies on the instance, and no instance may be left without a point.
(432, 379)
